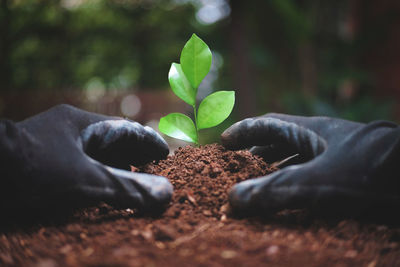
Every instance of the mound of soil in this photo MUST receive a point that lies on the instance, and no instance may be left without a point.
(202, 177)
(195, 229)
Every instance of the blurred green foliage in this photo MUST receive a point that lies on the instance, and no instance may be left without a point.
(297, 58)
(120, 43)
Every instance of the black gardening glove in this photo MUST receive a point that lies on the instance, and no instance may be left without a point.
(62, 158)
(342, 166)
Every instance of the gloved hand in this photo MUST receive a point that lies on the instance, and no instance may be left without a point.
(69, 158)
(343, 167)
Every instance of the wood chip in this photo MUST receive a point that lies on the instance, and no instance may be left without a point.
(190, 197)
(228, 254)
(134, 169)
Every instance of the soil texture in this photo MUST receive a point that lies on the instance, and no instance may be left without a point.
(196, 229)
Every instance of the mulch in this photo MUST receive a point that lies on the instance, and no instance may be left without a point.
(197, 229)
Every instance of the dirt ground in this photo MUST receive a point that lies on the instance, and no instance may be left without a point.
(196, 229)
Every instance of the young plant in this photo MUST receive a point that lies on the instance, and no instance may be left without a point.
(185, 79)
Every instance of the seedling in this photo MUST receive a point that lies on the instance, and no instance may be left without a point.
(184, 80)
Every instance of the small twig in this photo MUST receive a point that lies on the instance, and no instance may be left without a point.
(187, 238)
(279, 163)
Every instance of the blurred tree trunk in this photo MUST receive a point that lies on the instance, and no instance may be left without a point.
(5, 70)
(308, 68)
(376, 27)
(241, 65)
(307, 47)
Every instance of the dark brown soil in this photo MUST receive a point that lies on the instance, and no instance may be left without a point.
(195, 230)
(202, 177)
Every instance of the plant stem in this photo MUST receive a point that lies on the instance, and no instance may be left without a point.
(195, 123)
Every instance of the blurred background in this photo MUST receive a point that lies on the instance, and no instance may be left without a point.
(307, 57)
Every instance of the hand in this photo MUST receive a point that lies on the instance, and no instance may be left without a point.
(69, 158)
(343, 166)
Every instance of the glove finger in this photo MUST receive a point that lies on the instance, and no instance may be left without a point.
(262, 131)
(124, 189)
(153, 192)
(266, 195)
(120, 143)
(326, 127)
(304, 186)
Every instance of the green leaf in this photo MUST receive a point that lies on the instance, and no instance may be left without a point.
(196, 60)
(179, 126)
(215, 108)
(180, 84)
